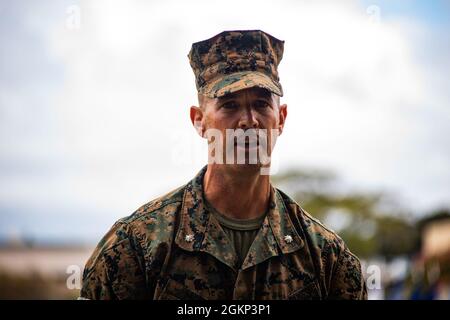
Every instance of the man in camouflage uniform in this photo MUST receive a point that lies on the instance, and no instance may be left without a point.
(228, 233)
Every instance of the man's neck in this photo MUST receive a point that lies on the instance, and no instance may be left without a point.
(239, 194)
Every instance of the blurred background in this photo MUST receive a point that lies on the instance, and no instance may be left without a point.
(94, 104)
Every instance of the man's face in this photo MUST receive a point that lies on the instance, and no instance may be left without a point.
(253, 108)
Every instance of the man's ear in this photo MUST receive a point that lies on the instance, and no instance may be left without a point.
(282, 117)
(196, 115)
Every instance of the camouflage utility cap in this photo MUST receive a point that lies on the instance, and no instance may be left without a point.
(236, 60)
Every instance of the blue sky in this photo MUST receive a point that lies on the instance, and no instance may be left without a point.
(81, 144)
(435, 13)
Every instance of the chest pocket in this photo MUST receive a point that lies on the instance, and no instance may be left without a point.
(174, 290)
(309, 292)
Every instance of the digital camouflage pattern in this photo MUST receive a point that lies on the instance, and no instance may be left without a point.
(236, 60)
(173, 248)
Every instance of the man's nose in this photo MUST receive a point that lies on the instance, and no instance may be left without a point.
(248, 119)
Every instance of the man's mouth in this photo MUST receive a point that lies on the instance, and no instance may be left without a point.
(247, 144)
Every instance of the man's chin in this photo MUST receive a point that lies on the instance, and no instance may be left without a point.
(247, 165)
(245, 169)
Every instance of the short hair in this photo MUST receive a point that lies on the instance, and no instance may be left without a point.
(201, 98)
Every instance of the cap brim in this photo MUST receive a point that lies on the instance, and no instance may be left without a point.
(238, 81)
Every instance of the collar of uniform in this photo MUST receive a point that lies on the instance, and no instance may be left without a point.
(205, 234)
(194, 218)
(276, 227)
(199, 230)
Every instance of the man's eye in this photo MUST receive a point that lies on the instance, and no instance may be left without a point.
(229, 105)
(261, 104)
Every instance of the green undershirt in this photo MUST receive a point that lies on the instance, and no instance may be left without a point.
(241, 232)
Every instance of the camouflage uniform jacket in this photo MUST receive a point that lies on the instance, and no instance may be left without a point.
(172, 248)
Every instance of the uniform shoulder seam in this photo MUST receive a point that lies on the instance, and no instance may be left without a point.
(318, 222)
(175, 196)
(308, 215)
